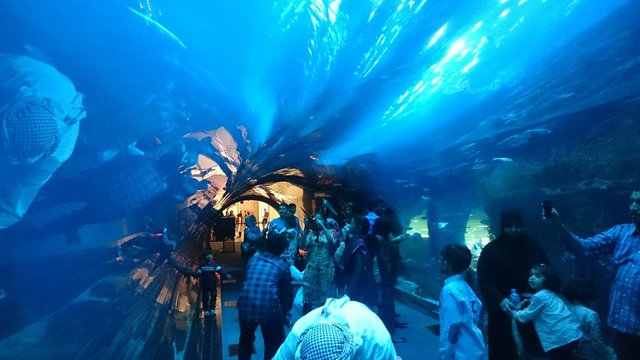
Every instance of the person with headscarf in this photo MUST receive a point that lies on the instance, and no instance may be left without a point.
(40, 113)
(504, 264)
(341, 329)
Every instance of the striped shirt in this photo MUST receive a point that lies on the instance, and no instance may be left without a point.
(623, 243)
(267, 293)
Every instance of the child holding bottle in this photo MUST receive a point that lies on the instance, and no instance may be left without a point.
(557, 328)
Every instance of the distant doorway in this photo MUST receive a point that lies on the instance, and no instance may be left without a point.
(477, 234)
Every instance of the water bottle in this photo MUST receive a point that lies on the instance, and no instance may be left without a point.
(514, 298)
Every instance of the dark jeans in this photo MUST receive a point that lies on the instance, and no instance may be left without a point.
(208, 299)
(272, 333)
(564, 352)
(627, 346)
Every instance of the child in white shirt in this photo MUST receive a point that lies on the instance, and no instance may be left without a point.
(557, 328)
(460, 337)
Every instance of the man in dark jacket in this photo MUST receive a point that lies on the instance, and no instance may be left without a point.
(209, 283)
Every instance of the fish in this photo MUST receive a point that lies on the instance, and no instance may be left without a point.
(502, 159)
(523, 138)
(442, 225)
(159, 27)
(134, 150)
(466, 147)
(514, 140)
(108, 154)
(538, 131)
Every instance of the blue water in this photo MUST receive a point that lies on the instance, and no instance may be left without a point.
(415, 101)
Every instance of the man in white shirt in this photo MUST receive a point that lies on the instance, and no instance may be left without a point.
(460, 337)
(341, 329)
(40, 113)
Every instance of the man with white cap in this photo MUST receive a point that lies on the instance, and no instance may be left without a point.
(341, 329)
(40, 112)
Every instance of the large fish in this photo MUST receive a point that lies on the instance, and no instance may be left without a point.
(160, 27)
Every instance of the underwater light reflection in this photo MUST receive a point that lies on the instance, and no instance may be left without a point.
(438, 35)
(444, 75)
(389, 33)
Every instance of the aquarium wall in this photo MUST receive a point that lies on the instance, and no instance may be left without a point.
(129, 128)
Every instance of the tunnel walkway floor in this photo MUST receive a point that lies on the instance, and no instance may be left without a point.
(421, 340)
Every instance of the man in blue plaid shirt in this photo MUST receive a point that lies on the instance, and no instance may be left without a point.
(623, 243)
(266, 298)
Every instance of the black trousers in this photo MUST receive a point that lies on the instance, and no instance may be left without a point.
(208, 299)
(386, 307)
(272, 333)
(627, 346)
(564, 352)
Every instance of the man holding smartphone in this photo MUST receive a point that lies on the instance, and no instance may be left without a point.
(622, 242)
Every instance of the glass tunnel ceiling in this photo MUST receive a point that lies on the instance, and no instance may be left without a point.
(311, 85)
(407, 100)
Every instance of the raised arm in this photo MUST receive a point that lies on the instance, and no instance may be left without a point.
(601, 244)
(328, 232)
(326, 204)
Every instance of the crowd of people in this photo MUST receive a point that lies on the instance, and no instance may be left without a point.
(548, 320)
(342, 278)
(333, 260)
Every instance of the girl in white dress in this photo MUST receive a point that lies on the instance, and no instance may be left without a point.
(557, 328)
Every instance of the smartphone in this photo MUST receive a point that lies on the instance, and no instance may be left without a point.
(547, 209)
